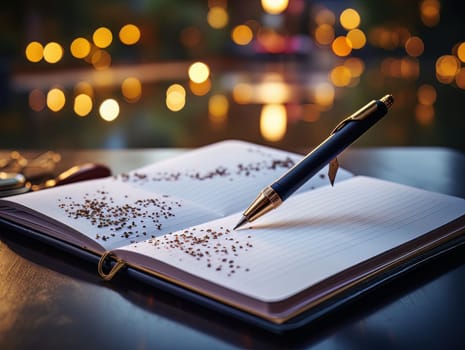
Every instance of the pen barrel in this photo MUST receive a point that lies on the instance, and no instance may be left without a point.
(329, 149)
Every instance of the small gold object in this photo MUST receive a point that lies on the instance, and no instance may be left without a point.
(118, 265)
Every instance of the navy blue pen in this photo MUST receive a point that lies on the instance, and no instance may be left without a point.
(345, 133)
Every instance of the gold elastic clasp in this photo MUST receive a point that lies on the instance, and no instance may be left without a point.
(119, 264)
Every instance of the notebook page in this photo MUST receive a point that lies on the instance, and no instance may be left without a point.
(225, 176)
(310, 237)
(108, 212)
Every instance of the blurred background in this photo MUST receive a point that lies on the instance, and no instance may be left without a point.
(185, 73)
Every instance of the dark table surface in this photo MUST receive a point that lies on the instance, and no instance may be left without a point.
(49, 299)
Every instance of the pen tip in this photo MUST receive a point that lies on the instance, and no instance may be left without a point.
(241, 222)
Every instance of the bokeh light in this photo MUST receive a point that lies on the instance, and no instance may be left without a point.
(198, 72)
(129, 34)
(109, 109)
(217, 17)
(273, 92)
(414, 46)
(426, 95)
(80, 48)
(102, 37)
(100, 59)
(218, 106)
(324, 34)
(424, 110)
(424, 114)
(274, 7)
(460, 78)
(350, 19)
(430, 12)
(271, 40)
(175, 97)
(175, 101)
(342, 46)
(447, 66)
(56, 99)
(82, 105)
(340, 76)
(324, 94)
(355, 65)
(200, 89)
(176, 88)
(242, 34)
(409, 68)
(461, 52)
(357, 38)
(34, 51)
(37, 100)
(53, 52)
(242, 93)
(131, 88)
(273, 122)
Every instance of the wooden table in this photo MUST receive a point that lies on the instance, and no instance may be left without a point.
(49, 299)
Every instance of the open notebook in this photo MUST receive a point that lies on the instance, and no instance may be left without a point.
(172, 222)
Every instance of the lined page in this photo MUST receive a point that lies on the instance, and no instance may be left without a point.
(224, 177)
(311, 237)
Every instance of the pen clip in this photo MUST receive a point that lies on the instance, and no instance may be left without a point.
(361, 114)
(342, 124)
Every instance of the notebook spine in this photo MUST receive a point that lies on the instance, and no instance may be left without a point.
(110, 259)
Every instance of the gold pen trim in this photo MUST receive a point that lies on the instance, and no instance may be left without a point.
(267, 200)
